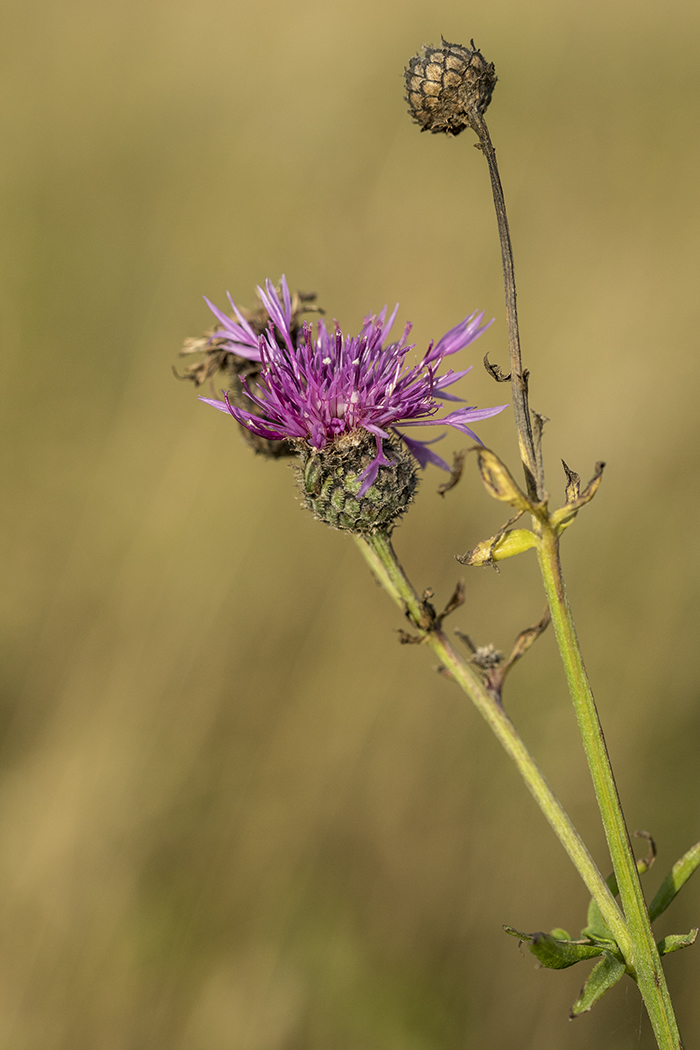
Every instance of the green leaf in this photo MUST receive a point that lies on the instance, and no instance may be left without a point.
(557, 954)
(597, 926)
(674, 881)
(603, 976)
(675, 941)
(560, 935)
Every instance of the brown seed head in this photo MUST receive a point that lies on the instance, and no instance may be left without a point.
(447, 86)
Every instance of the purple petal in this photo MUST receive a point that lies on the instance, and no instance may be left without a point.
(377, 431)
(242, 335)
(450, 377)
(423, 454)
(253, 338)
(287, 299)
(464, 333)
(369, 474)
(455, 419)
(471, 414)
(388, 325)
(281, 316)
(221, 405)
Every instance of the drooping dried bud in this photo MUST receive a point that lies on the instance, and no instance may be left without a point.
(329, 479)
(499, 481)
(487, 657)
(502, 545)
(447, 86)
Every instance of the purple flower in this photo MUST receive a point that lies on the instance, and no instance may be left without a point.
(334, 384)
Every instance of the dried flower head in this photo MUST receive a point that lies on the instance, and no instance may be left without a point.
(340, 399)
(446, 86)
(487, 657)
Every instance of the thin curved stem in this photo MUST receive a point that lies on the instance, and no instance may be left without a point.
(529, 452)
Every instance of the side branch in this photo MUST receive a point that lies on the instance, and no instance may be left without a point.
(379, 554)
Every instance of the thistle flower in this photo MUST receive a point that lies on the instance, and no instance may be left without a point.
(344, 397)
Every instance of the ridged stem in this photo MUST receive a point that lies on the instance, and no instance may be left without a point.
(643, 958)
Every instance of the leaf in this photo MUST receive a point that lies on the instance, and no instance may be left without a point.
(566, 514)
(675, 941)
(603, 976)
(573, 483)
(499, 481)
(455, 473)
(556, 954)
(505, 544)
(674, 881)
(597, 927)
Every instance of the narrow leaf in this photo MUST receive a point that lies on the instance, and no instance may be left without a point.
(556, 954)
(455, 473)
(675, 941)
(566, 514)
(573, 483)
(528, 637)
(597, 927)
(674, 881)
(499, 481)
(603, 976)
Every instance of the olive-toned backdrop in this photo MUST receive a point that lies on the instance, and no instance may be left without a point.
(235, 814)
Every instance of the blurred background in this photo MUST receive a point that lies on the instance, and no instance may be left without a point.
(235, 814)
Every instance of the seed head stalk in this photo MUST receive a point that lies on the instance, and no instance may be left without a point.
(530, 454)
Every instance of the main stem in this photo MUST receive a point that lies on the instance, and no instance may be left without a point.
(644, 957)
(379, 553)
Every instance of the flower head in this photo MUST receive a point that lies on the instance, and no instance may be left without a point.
(448, 88)
(329, 384)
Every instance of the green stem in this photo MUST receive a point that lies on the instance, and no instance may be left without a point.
(643, 959)
(379, 554)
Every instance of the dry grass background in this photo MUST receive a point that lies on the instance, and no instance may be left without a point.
(235, 814)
